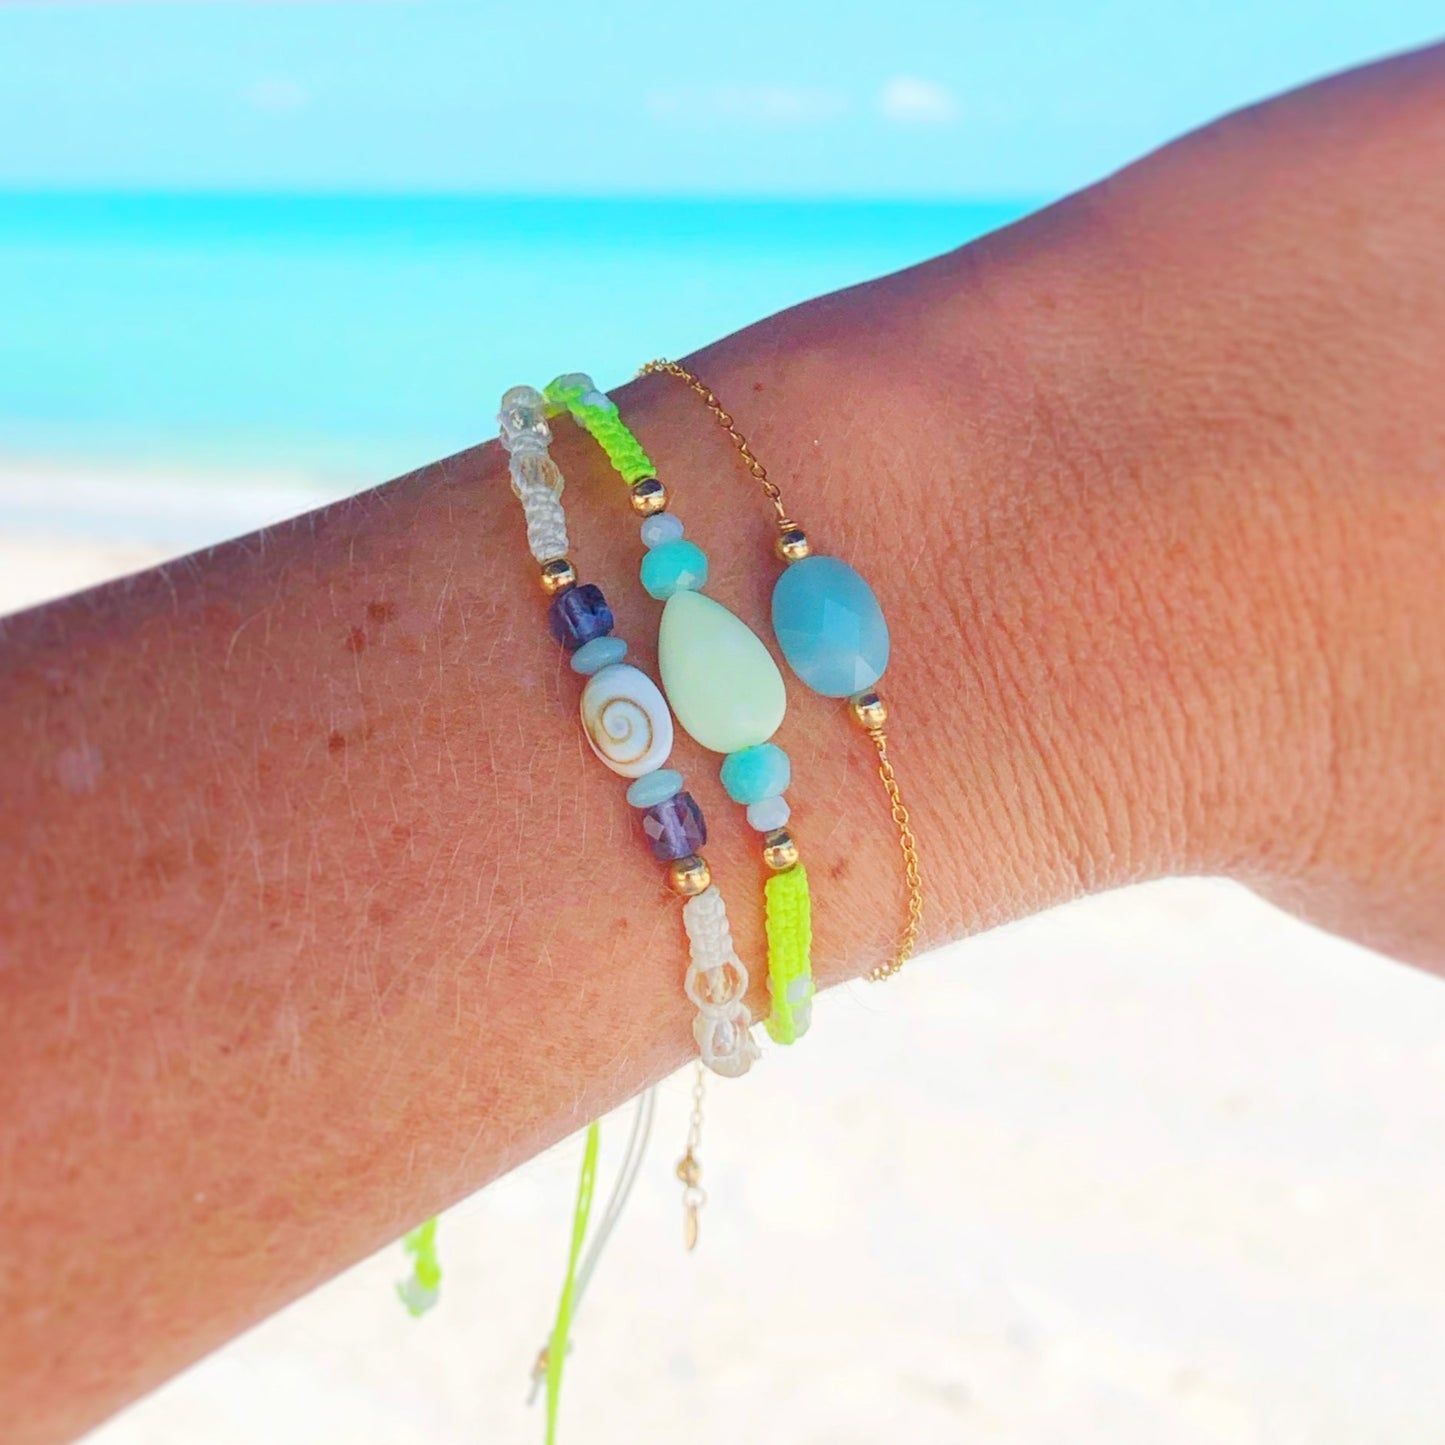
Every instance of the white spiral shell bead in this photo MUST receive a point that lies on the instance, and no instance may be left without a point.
(717, 982)
(535, 476)
(627, 720)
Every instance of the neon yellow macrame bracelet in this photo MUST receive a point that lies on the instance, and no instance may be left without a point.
(726, 692)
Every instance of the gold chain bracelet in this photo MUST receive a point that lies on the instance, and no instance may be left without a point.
(865, 703)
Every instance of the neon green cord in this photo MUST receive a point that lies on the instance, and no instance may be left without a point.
(790, 945)
(419, 1292)
(562, 1330)
(613, 434)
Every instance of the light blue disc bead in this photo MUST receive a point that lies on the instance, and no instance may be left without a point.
(752, 774)
(769, 813)
(661, 527)
(830, 626)
(653, 788)
(677, 566)
(600, 652)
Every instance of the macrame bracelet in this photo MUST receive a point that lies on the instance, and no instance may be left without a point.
(726, 692)
(628, 724)
(834, 637)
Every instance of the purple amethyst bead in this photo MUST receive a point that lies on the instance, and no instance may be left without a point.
(578, 615)
(674, 827)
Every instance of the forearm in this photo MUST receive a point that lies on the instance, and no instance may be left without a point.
(319, 915)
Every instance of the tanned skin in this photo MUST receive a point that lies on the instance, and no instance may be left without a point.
(315, 914)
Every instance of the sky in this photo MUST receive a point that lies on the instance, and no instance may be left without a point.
(657, 97)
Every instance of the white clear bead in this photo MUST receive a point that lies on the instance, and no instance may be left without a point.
(523, 421)
(769, 813)
(716, 990)
(599, 400)
(726, 1046)
(661, 527)
(575, 381)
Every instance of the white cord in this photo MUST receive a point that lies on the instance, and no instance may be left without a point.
(631, 1166)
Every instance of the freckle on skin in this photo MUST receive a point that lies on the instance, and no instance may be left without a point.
(355, 640)
(381, 611)
(78, 768)
(336, 743)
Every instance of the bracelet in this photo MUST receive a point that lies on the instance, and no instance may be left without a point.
(628, 725)
(726, 692)
(834, 661)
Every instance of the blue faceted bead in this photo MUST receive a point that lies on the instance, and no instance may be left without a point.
(654, 787)
(830, 626)
(755, 773)
(675, 828)
(578, 615)
(675, 566)
(599, 653)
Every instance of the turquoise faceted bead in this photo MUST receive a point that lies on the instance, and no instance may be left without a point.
(725, 689)
(756, 773)
(675, 566)
(653, 788)
(599, 653)
(830, 626)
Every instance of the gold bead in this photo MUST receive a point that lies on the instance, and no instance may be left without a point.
(557, 576)
(649, 496)
(779, 850)
(689, 1171)
(792, 544)
(869, 710)
(687, 877)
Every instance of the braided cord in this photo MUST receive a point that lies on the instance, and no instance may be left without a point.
(557, 1350)
(790, 946)
(599, 415)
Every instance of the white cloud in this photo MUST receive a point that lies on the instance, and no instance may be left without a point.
(767, 105)
(907, 100)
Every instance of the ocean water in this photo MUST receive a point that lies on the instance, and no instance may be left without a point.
(357, 337)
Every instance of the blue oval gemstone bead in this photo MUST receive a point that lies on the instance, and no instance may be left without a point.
(654, 787)
(675, 566)
(752, 774)
(830, 626)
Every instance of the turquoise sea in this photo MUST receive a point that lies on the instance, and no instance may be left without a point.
(360, 336)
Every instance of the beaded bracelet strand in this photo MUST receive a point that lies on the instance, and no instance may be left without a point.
(726, 691)
(812, 596)
(629, 727)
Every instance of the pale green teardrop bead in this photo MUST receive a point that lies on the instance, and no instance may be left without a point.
(724, 687)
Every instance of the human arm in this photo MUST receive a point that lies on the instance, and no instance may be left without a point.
(317, 915)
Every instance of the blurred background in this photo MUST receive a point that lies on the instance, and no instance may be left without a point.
(1164, 1166)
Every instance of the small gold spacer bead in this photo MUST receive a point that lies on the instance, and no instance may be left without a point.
(869, 710)
(779, 851)
(689, 1171)
(557, 576)
(792, 544)
(687, 877)
(649, 497)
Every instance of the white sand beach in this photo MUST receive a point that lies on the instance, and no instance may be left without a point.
(1163, 1167)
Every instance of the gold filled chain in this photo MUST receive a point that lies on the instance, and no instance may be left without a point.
(755, 468)
(689, 1167)
(868, 708)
